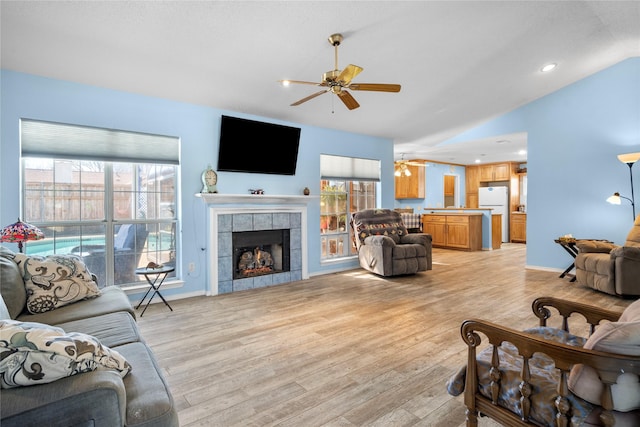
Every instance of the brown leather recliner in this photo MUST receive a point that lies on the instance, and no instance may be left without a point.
(610, 268)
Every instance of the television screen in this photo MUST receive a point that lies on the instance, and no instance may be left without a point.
(257, 147)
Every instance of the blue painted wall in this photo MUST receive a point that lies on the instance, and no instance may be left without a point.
(28, 96)
(574, 137)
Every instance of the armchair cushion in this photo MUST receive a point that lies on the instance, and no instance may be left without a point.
(382, 241)
(55, 281)
(595, 246)
(629, 252)
(415, 238)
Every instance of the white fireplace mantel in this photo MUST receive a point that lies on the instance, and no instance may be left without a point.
(253, 199)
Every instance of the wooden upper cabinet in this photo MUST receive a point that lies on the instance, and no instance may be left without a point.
(486, 173)
(502, 172)
(495, 172)
(472, 181)
(411, 187)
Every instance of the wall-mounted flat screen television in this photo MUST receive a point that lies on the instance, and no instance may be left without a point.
(257, 147)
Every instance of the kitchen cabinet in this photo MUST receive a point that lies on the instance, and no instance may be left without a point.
(410, 187)
(435, 225)
(495, 172)
(454, 231)
(472, 182)
(496, 231)
(518, 227)
(483, 175)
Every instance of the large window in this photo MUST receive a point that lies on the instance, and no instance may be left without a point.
(117, 215)
(338, 200)
(348, 185)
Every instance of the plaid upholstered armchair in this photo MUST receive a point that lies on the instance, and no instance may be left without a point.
(384, 245)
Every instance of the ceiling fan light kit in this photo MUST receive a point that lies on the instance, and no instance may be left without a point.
(337, 81)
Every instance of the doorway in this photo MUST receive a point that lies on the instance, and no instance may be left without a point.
(451, 193)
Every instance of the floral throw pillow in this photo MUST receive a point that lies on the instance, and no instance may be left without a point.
(35, 353)
(55, 281)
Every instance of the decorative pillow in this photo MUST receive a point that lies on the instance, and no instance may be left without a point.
(55, 281)
(613, 337)
(35, 353)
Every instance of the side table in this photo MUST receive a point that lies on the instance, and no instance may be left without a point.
(158, 275)
(568, 245)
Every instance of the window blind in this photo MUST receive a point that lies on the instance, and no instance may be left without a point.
(65, 141)
(349, 168)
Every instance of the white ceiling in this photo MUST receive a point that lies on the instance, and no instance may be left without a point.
(460, 63)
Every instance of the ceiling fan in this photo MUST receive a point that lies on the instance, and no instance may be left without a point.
(402, 169)
(337, 81)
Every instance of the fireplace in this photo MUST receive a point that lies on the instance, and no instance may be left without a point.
(231, 213)
(261, 252)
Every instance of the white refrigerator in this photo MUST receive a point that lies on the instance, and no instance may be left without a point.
(496, 198)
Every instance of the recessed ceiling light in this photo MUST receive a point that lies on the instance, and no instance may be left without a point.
(478, 160)
(548, 67)
(286, 83)
(522, 152)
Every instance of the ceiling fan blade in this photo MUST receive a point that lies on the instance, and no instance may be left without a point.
(377, 87)
(348, 100)
(349, 72)
(300, 82)
(309, 97)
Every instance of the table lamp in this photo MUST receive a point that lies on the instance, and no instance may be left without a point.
(20, 232)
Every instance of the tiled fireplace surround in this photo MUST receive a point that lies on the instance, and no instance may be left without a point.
(233, 213)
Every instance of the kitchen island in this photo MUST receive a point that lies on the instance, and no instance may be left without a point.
(454, 230)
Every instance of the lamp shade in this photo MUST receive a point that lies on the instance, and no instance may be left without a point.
(614, 199)
(629, 157)
(20, 232)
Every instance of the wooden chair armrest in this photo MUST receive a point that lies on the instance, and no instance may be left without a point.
(593, 315)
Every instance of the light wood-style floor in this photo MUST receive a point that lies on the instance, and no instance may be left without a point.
(345, 349)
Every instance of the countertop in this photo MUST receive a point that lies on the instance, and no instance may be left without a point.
(453, 212)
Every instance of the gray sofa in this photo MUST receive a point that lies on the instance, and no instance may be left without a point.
(384, 245)
(101, 397)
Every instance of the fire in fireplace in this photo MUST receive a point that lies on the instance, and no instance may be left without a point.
(256, 253)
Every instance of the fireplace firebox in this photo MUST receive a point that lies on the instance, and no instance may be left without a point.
(261, 252)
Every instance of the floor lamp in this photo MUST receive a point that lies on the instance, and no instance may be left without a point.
(629, 159)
